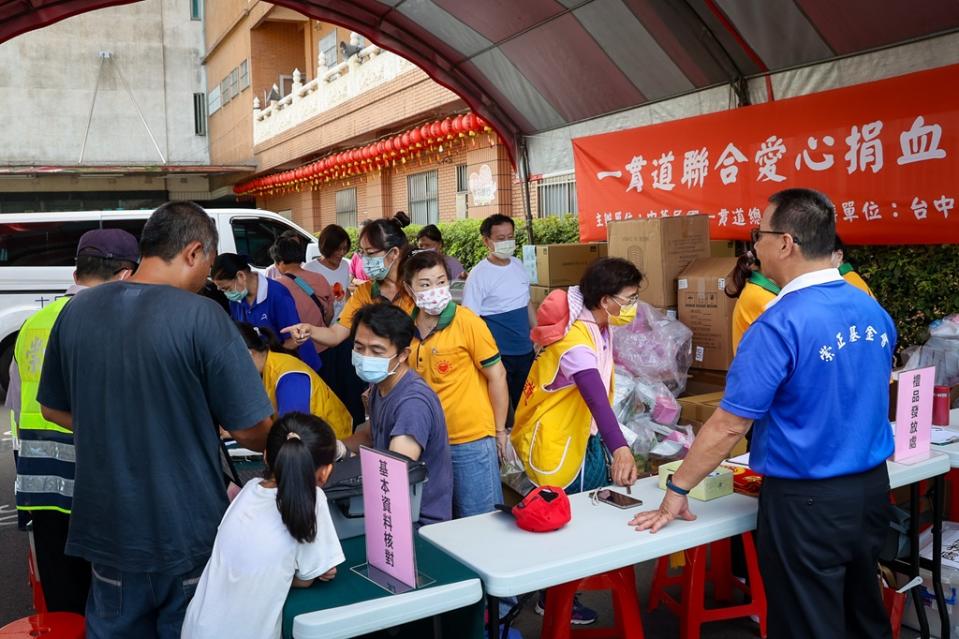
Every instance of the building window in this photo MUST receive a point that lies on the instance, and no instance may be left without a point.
(346, 208)
(225, 95)
(557, 196)
(328, 49)
(196, 9)
(462, 179)
(234, 82)
(244, 74)
(424, 203)
(199, 114)
(213, 100)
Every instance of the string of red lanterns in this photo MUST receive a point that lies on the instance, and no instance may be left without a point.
(409, 144)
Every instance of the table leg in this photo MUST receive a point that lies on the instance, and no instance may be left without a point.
(914, 558)
(938, 488)
(492, 617)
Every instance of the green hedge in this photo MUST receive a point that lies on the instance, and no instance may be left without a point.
(915, 284)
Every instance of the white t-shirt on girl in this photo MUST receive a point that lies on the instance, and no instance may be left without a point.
(340, 275)
(244, 585)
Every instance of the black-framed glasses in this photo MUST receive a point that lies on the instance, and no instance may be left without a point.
(756, 233)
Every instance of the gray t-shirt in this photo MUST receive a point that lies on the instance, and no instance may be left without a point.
(412, 408)
(148, 372)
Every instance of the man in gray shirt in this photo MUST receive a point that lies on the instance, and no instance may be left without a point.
(144, 371)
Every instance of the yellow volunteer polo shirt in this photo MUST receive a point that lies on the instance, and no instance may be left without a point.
(851, 276)
(759, 290)
(367, 293)
(451, 359)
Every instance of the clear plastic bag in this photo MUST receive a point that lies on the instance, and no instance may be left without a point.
(940, 350)
(654, 348)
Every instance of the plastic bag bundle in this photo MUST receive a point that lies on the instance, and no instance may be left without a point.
(654, 348)
(940, 350)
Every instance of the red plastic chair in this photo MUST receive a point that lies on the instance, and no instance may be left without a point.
(691, 606)
(559, 607)
(53, 625)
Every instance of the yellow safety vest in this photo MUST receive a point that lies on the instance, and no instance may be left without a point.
(552, 426)
(45, 468)
(28, 351)
(323, 403)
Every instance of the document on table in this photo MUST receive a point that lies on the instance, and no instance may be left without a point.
(739, 460)
(950, 544)
(943, 436)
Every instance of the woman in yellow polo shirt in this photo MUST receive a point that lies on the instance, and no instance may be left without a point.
(846, 269)
(753, 291)
(454, 351)
(292, 385)
(383, 247)
(565, 418)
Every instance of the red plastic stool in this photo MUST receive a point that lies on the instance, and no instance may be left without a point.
(55, 625)
(559, 607)
(691, 607)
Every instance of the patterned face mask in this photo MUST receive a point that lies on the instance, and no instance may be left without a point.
(434, 300)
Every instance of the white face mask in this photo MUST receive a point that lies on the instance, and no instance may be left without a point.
(433, 301)
(505, 249)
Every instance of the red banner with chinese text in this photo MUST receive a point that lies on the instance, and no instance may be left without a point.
(886, 153)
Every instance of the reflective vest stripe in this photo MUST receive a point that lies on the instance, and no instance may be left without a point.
(39, 449)
(44, 484)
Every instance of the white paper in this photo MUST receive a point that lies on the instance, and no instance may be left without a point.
(950, 544)
(683, 284)
(943, 436)
(739, 460)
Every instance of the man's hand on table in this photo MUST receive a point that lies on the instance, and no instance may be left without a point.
(674, 506)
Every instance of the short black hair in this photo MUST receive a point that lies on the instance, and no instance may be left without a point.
(227, 265)
(259, 338)
(607, 277)
(809, 217)
(288, 250)
(94, 267)
(173, 226)
(384, 234)
(430, 232)
(419, 260)
(332, 238)
(385, 320)
(486, 228)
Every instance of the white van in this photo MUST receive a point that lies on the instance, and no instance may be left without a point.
(38, 251)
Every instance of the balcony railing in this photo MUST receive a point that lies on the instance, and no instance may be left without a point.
(333, 86)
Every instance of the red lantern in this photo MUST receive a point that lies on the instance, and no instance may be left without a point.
(416, 137)
(435, 131)
(469, 123)
(482, 124)
(398, 144)
(446, 127)
(458, 126)
(405, 140)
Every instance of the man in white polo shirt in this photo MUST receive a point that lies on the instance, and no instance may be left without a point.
(497, 290)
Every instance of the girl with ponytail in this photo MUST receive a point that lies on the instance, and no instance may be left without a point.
(752, 291)
(277, 533)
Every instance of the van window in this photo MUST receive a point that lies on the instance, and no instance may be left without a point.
(42, 243)
(255, 236)
(132, 226)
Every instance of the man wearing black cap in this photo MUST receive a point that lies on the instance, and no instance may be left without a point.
(45, 467)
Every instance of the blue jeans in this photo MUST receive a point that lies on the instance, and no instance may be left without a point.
(134, 605)
(476, 484)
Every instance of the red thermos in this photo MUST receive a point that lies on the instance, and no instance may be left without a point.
(940, 406)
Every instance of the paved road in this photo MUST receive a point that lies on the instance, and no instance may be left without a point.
(15, 598)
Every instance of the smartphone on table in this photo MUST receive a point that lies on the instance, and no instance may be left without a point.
(617, 499)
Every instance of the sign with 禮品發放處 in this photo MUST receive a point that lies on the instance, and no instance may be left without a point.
(886, 153)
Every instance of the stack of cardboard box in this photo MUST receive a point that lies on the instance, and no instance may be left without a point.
(706, 309)
(558, 266)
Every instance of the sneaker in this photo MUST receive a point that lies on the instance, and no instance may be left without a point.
(582, 616)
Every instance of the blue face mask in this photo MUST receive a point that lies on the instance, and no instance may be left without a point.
(372, 370)
(376, 267)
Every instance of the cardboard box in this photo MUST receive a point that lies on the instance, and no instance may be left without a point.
(722, 248)
(555, 265)
(538, 293)
(706, 309)
(661, 248)
(670, 313)
(718, 483)
(699, 408)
